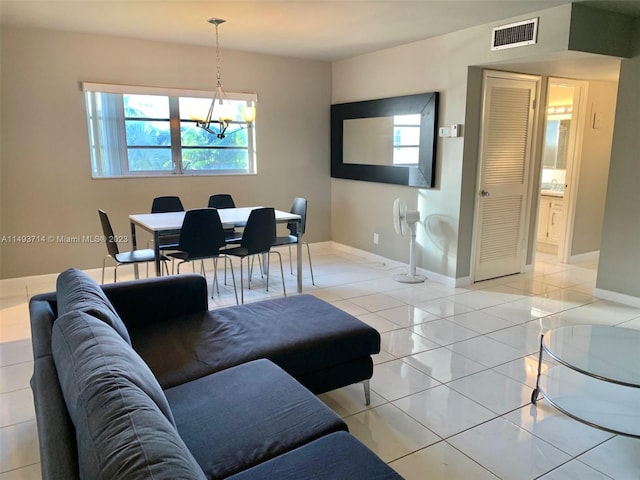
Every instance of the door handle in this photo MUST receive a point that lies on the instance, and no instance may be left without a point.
(484, 193)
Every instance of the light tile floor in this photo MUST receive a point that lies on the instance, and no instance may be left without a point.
(451, 388)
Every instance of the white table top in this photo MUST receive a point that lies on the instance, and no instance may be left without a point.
(230, 217)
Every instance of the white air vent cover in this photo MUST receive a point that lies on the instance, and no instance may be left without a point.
(515, 34)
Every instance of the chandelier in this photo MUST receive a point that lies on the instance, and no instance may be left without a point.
(221, 111)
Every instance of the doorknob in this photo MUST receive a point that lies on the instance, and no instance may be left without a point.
(484, 193)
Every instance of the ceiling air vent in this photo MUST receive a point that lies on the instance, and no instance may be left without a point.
(515, 34)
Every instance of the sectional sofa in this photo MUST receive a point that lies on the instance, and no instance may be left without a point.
(140, 380)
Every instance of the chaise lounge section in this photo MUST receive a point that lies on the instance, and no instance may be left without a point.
(140, 380)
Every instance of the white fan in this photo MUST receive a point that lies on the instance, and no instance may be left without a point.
(405, 222)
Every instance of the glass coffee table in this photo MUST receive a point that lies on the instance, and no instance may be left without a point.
(597, 379)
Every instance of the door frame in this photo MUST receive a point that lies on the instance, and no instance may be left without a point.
(573, 161)
(534, 161)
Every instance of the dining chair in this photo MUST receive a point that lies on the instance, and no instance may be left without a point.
(225, 200)
(299, 207)
(168, 240)
(221, 200)
(202, 237)
(257, 238)
(123, 258)
(166, 204)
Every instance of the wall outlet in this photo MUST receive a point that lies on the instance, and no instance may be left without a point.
(376, 239)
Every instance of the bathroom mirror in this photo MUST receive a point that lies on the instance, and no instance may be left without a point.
(387, 140)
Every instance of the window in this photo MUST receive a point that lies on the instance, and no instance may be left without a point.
(142, 131)
(406, 139)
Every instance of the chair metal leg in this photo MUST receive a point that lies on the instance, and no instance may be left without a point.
(233, 277)
(313, 282)
(241, 282)
(367, 392)
(215, 285)
(284, 289)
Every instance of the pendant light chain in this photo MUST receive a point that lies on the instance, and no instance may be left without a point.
(218, 76)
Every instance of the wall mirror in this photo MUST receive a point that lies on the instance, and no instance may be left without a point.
(388, 140)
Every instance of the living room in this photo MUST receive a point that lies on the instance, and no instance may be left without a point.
(44, 139)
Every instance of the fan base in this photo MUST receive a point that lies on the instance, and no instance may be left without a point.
(406, 278)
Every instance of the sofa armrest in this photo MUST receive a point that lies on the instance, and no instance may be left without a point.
(152, 300)
(56, 434)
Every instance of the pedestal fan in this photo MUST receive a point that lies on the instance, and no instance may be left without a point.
(405, 222)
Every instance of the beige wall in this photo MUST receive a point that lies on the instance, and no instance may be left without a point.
(46, 185)
(594, 167)
(619, 266)
(441, 64)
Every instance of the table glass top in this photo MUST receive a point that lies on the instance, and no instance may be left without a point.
(608, 353)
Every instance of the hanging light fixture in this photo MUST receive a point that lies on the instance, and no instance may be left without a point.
(220, 110)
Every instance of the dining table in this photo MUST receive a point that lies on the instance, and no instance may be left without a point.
(158, 223)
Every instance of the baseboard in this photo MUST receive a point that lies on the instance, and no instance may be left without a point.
(433, 276)
(585, 257)
(462, 281)
(617, 297)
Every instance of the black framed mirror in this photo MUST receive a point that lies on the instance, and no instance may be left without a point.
(387, 140)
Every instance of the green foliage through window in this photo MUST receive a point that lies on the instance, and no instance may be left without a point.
(142, 134)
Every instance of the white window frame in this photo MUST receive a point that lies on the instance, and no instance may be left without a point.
(112, 168)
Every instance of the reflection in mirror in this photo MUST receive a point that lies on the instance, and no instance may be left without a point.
(557, 139)
(393, 140)
(368, 141)
(389, 140)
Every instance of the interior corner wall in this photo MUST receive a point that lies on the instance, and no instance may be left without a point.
(618, 267)
(46, 190)
(594, 167)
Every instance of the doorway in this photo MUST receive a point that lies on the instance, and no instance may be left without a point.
(560, 167)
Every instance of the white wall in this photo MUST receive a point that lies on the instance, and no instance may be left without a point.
(46, 185)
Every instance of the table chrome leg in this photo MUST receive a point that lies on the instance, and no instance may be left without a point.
(536, 391)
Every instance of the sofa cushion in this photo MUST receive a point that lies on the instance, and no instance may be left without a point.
(338, 455)
(124, 427)
(302, 334)
(245, 415)
(75, 290)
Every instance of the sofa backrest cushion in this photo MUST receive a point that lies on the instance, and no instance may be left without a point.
(75, 290)
(124, 426)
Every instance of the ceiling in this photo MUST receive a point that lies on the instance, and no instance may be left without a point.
(314, 29)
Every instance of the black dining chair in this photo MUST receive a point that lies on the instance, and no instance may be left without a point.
(221, 200)
(257, 238)
(168, 240)
(202, 237)
(166, 204)
(296, 230)
(225, 200)
(124, 258)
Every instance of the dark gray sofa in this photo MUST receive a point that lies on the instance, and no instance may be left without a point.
(140, 380)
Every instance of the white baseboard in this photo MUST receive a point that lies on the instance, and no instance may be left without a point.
(585, 257)
(433, 276)
(462, 282)
(617, 297)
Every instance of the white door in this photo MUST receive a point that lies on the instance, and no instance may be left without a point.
(503, 176)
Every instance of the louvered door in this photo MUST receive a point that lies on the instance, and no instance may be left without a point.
(507, 128)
